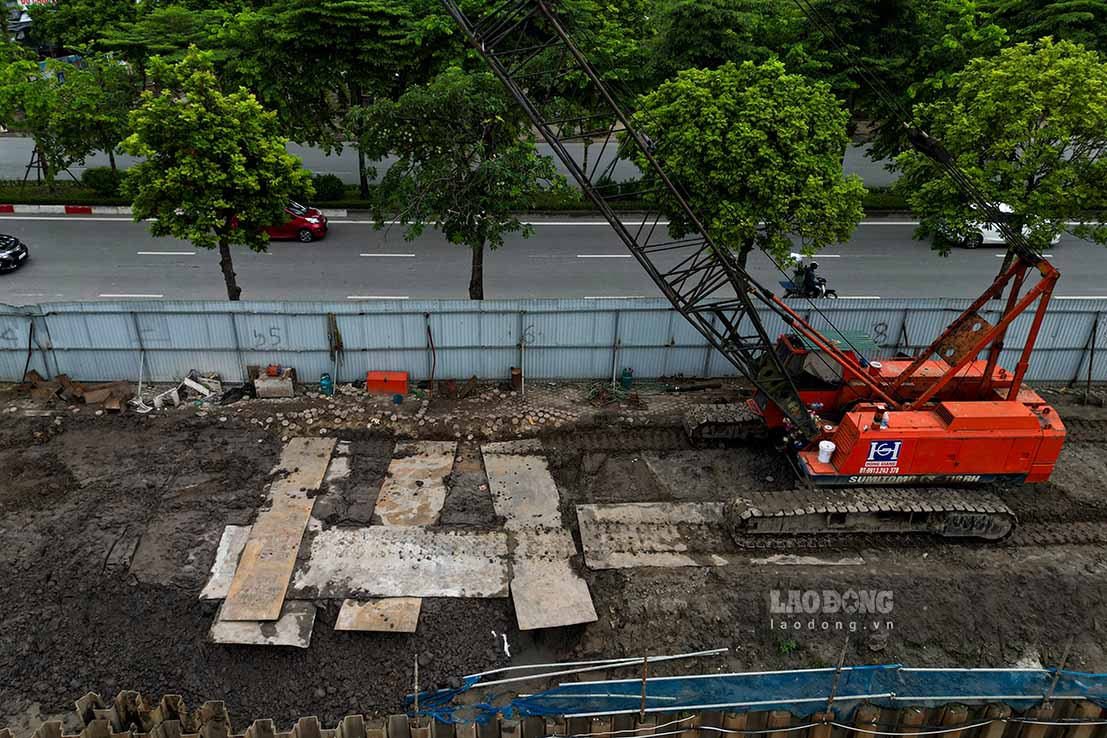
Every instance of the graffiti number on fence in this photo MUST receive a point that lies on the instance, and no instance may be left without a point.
(528, 334)
(880, 333)
(8, 334)
(267, 340)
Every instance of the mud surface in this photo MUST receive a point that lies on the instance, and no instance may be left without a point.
(110, 526)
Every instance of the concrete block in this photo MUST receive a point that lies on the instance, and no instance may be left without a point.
(272, 387)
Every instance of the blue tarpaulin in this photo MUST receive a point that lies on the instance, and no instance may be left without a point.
(801, 692)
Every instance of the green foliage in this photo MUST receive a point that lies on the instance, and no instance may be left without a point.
(1080, 21)
(93, 105)
(215, 169)
(104, 181)
(168, 32)
(759, 152)
(310, 60)
(705, 34)
(910, 47)
(1027, 127)
(78, 23)
(463, 161)
(787, 646)
(28, 101)
(329, 187)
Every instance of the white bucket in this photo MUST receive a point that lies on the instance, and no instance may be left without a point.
(826, 450)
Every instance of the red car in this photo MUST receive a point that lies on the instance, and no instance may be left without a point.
(304, 224)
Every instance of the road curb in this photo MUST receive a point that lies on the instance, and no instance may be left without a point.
(108, 210)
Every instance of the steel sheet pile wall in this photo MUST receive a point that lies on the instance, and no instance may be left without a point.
(555, 339)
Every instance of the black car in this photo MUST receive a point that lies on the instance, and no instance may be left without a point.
(13, 253)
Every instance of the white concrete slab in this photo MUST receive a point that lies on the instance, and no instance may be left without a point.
(523, 491)
(414, 490)
(662, 534)
(226, 562)
(794, 560)
(292, 628)
(387, 561)
(528, 446)
(545, 589)
(388, 615)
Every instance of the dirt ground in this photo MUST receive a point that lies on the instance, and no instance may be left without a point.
(110, 525)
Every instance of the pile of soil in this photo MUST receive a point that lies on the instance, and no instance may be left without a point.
(110, 525)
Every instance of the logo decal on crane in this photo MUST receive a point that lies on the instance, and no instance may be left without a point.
(883, 458)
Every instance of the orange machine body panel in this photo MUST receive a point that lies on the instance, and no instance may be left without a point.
(386, 383)
(949, 443)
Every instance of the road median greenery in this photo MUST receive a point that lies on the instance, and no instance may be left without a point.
(572, 201)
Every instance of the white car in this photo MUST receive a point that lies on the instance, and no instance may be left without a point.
(983, 233)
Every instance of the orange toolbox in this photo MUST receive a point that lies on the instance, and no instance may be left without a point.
(386, 383)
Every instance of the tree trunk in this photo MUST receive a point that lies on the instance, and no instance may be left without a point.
(744, 255)
(234, 292)
(111, 159)
(363, 176)
(1008, 259)
(476, 277)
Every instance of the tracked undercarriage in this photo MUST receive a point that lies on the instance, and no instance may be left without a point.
(949, 512)
(943, 511)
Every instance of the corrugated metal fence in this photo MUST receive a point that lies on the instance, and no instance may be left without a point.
(552, 339)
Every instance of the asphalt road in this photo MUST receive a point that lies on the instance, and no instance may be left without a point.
(15, 152)
(78, 258)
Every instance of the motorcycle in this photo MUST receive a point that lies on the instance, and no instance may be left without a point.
(791, 289)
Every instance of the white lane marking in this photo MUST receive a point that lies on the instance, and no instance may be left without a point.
(1079, 297)
(603, 256)
(62, 217)
(397, 255)
(376, 297)
(614, 297)
(166, 253)
(1045, 256)
(108, 294)
(858, 297)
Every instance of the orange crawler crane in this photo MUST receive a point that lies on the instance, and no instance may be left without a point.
(894, 446)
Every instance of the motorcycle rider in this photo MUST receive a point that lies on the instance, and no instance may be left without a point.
(810, 282)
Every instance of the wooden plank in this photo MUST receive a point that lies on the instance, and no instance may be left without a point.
(388, 615)
(261, 581)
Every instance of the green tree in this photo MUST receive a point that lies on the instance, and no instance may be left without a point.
(704, 34)
(758, 152)
(1079, 21)
(1027, 128)
(168, 32)
(79, 23)
(215, 169)
(93, 105)
(28, 101)
(909, 49)
(311, 60)
(464, 162)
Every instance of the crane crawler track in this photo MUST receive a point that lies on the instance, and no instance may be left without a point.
(942, 511)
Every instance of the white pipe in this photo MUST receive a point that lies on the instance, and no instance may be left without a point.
(616, 665)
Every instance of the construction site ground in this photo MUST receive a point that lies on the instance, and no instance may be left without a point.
(110, 523)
